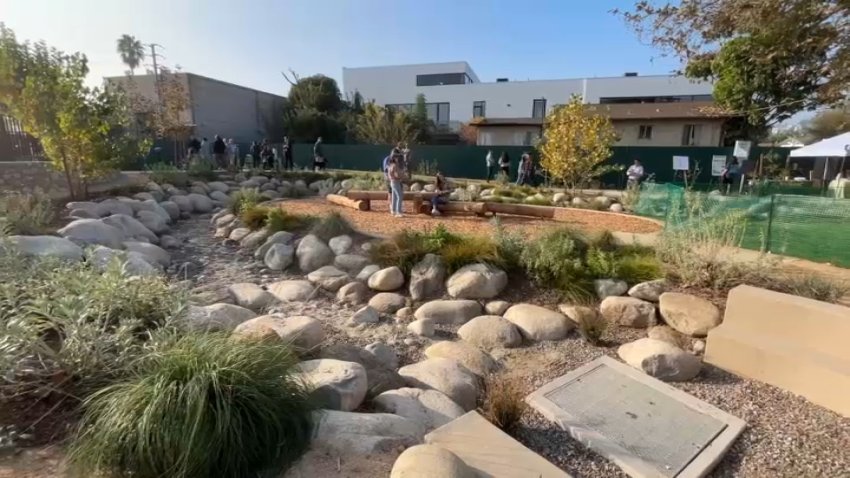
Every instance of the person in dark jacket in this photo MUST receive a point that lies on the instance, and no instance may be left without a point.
(287, 154)
(219, 152)
(256, 149)
(266, 155)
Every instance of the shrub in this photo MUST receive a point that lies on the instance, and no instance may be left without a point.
(810, 286)
(330, 226)
(441, 237)
(166, 173)
(504, 402)
(639, 268)
(280, 220)
(508, 244)
(556, 259)
(602, 264)
(254, 217)
(203, 170)
(70, 327)
(470, 250)
(404, 250)
(243, 199)
(205, 406)
(26, 213)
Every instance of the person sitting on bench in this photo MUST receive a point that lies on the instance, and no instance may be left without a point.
(440, 193)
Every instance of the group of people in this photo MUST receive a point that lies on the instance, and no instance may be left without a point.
(225, 154)
(525, 170)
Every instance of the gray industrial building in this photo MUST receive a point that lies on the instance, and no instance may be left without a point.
(218, 107)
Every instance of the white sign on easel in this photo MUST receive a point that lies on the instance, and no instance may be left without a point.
(742, 149)
(681, 163)
(718, 164)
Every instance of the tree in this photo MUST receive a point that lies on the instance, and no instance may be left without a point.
(770, 58)
(423, 127)
(575, 143)
(132, 52)
(379, 125)
(85, 132)
(827, 124)
(317, 92)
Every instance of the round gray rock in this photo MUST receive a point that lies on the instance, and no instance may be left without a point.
(490, 332)
(353, 293)
(303, 332)
(224, 317)
(45, 246)
(336, 385)
(446, 376)
(449, 311)
(92, 232)
(329, 278)
(688, 314)
(340, 244)
(427, 278)
(428, 408)
(469, 356)
(650, 290)
(313, 253)
(628, 312)
(292, 290)
(539, 323)
(477, 281)
(438, 462)
(387, 302)
(279, 257)
(660, 359)
(386, 280)
(251, 296)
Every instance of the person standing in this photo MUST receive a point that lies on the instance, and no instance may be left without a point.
(255, 153)
(634, 175)
(505, 165)
(520, 172)
(729, 175)
(396, 175)
(287, 154)
(319, 161)
(527, 169)
(219, 149)
(490, 162)
(233, 153)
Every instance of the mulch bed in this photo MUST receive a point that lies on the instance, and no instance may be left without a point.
(379, 222)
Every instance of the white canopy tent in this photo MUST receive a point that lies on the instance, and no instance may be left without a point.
(835, 147)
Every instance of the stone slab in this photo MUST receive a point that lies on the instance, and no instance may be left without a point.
(491, 452)
(643, 425)
(794, 343)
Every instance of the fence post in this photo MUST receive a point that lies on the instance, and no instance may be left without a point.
(769, 224)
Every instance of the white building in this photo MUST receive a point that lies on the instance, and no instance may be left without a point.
(455, 95)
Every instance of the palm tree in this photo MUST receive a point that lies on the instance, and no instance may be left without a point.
(131, 50)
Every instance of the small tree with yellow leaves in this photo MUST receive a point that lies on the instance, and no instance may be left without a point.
(575, 143)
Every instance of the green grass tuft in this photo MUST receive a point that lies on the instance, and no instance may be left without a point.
(244, 199)
(255, 217)
(26, 213)
(330, 226)
(280, 220)
(206, 406)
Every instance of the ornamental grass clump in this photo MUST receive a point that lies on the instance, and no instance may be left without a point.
(205, 406)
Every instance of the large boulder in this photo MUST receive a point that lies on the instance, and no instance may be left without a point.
(380, 374)
(426, 278)
(446, 376)
(660, 359)
(335, 384)
(45, 246)
(469, 356)
(114, 206)
(386, 280)
(628, 312)
(363, 433)
(251, 296)
(292, 290)
(384, 354)
(92, 209)
(650, 290)
(329, 278)
(668, 334)
(496, 307)
(280, 237)
(353, 293)
(490, 332)
(351, 263)
(428, 408)
(223, 218)
(218, 186)
(153, 221)
(449, 311)
(223, 317)
(387, 302)
(340, 244)
(255, 238)
(366, 272)
(82, 214)
(539, 323)
(579, 314)
(200, 202)
(430, 460)
(689, 314)
(610, 287)
(131, 228)
(304, 333)
(93, 232)
(152, 206)
(477, 281)
(132, 263)
(172, 209)
(279, 257)
(422, 327)
(221, 197)
(169, 242)
(313, 253)
(155, 254)
(238, 234)
(183, 202)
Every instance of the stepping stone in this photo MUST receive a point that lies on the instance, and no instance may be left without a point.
(489, 451)
(643, 425)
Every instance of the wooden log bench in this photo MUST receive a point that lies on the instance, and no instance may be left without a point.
(356, 204)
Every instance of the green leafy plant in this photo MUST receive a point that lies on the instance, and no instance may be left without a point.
(441, 237)
(331, 225)
(26, 213)
(509, 245)
(244, 199)
(470, 250)
(162, 173)
(255, 217)
(404, 250)
(557, 259)
(205, 406)
(602, 264)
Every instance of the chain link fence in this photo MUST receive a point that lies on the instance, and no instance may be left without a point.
(808, 227)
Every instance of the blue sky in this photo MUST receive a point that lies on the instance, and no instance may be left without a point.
(250, 42)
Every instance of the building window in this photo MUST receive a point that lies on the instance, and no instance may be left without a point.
(529, 137)
(479, 109)
(538, 108)
(403, 107)
(436, 79)
(438, 113)
(690, 134)
(645, 131)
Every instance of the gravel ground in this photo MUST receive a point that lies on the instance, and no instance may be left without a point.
(379, 222)
(785, 435)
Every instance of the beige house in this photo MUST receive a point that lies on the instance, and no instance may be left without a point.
(639, 124)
